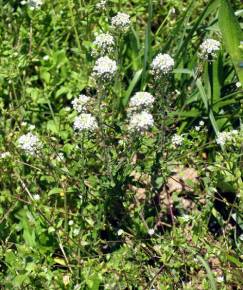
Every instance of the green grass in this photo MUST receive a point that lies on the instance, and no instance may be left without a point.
(79, 214)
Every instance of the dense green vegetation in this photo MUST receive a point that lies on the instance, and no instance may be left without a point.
(104, 191)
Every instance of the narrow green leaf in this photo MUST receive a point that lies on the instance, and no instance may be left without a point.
(148, 41)
(232, 36)
(131, 87)
(206, 105)
(209, 273)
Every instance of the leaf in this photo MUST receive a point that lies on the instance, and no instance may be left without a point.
(205, 101)
(209, 273)
(232, 36)
(131, 87)
(45, 76)
(148, 41)
(60, 261)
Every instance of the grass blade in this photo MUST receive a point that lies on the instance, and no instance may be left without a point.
(209, 272)
(232, 36)
(148, 41)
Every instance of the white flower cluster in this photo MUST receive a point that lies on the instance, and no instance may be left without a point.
(80, 103)
(121, 22)
(200, 125)
(30, 143)
(177, 140)
(209, 48)
(104, 42)
(85, 122)
(104, 69)
(4, 155)
(141, 121)
(162, 64)
(141, 100)
(224, 137)
(101, 5)
(33, 4)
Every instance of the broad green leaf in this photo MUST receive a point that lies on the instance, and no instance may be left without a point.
(232, 36)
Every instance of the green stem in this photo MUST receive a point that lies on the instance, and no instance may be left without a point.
(70, 5)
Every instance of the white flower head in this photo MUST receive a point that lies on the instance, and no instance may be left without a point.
(224, 137)
(85, 122)
(101, 5)
(162, 64)
(209, 48)
(33, 4)
(201, 123)
(36, 197)
(31, 127)
(120, 232)
(4, 155)
(141, 121)
(104, 42)
(177, 140)
(104, 68)
(151, 232)
(60, 157)
(141, 100)
(71, 222)
(238, 84)
(220, 279)
(30, 143)
(76, 232)
(80, 103)
(121, 22)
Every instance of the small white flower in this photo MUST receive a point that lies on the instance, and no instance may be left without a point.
(75, 232)
(33, 4)
(197, 128)
(224, 137)
(30, 143)
(24, 124)
(31, 127)
(46, 57)
(120, 232)
(173, 10)
(186, 217)
(141, 121)
(70, 222)
(209, 48)
(85, 122)
(4, 155)
(36, 197)
(121, 22)
(220, 279)
(177, 140)
(101, 5)
(80, 103)
(201, 123)
(104, 42)
(104, 69)
(60, 157)
(162, 64)
(141, 100)
(238, 84)
(151, 232)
